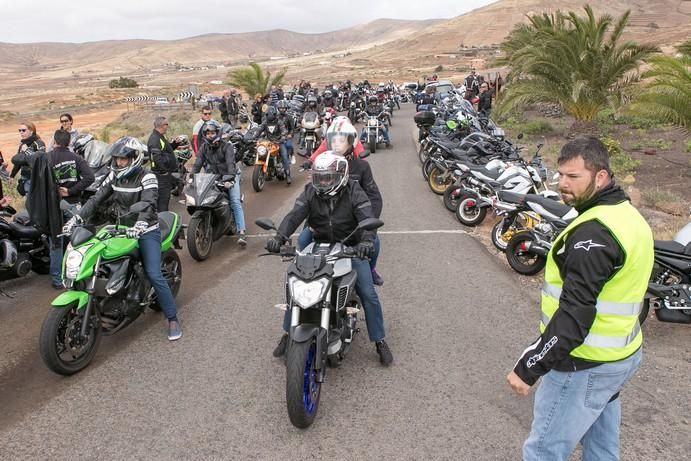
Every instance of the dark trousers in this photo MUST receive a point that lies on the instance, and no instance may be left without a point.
(165, 186)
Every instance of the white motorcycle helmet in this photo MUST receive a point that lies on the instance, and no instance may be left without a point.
(329, 174)
(130, 148)
(341, 136)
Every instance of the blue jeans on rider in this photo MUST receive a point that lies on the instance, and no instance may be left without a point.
(150, 251)
(283, 150)
(56, 255)
(364, 287)
(235, 197)
(577, 406)
(289, 145)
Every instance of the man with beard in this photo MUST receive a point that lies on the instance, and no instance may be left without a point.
(590, 344)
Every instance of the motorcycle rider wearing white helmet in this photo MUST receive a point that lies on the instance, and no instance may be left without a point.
(129, 183)
(333, 205)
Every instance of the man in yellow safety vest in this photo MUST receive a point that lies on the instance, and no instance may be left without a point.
(590, 344)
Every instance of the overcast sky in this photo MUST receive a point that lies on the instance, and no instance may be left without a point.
(86, 20)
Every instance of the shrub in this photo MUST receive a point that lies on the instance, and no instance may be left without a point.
(655, 196)
(621, 163)
(660, 144)
(688, 145)
(537, 127)
(637, 122)
(123, 82)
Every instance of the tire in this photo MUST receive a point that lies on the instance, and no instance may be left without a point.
(199, 237)
(451, 197)
(60, 323)
(521, 261)
(422, 154)
(258, 178)
(309, 148)
(434, 182)
(373, 146)
(645, 310)
(467, 211)
(302, 391)
(171, 268)
(497, 236)
(426, 169)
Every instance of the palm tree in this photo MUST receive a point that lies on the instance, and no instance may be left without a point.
(577, 62)
(668, 96)
(254, 80)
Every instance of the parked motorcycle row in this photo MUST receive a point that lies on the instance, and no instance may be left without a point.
(469, 161)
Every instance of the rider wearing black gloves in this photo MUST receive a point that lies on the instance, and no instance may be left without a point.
(333, 205)
(128, 183)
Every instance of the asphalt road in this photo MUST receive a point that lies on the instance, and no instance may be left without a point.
(456, 320)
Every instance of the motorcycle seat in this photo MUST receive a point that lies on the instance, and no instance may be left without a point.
(511, 197)
(551, 206)
(26, 232)
(673, 247)
(493, 174)
(166, 219)
(22, 218)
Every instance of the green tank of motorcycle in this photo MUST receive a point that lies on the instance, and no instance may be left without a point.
(168, 240)
(69, 297)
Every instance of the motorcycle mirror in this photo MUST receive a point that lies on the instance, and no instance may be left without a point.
(370, 224)
(265, 223)
(539, 146)
(364, 154)
(520, 136)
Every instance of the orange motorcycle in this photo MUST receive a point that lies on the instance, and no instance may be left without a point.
(267, 165)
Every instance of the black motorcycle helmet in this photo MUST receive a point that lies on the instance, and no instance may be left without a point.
(212, 126)
(271, 114)
(372, 100)
(282, 106)
(81, 143)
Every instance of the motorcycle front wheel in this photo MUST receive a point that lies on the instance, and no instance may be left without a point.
(468, 212)
(199, 237)
(258, 178)
(302, 389)
(520, 258)
(61, 346)
(436, 183)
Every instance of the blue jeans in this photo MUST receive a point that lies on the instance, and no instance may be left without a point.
(150, 251)
(56, 255)
(283, 150)
(575, 406)
(235, 197)
(305, 238)
(364, 287)
(289, 145)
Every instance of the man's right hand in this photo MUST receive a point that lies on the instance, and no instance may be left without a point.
(273, 245)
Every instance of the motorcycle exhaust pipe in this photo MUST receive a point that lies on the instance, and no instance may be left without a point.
(532, 247)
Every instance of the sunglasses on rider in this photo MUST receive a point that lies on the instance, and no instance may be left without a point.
(206, 113)
(22, 130)
(64, 121)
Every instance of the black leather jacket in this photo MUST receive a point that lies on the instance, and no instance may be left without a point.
(219, 160)
(140, 186)
(331, 218)
(273, 131)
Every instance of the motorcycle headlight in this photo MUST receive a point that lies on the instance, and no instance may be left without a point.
(73, 260)
(189, 200)
(307, 294)
(262, 151)
(372, 122)
(209, 199)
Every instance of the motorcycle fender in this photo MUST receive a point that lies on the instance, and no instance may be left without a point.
(67, 298)
(484, 205)
(303, 333)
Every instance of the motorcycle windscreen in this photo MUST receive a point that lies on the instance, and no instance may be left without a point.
(201, 184)
(97, 154)
(310, 120)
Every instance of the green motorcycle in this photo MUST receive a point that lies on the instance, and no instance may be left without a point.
(107, 290)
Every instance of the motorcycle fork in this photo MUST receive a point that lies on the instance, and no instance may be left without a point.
(90, 303)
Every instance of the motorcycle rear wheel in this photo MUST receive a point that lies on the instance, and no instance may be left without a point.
(519, 259)
(435, 183)
(422, 154)
(426, 169)
(258, 178)
(467, 212)
(302, 389)
(59, 336)
(199, 238)
(501, 240)
(451, 197)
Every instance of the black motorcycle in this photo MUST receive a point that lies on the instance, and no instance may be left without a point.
(23, 247)
(320, 295)
(182, 156)
(206, 199)
(669, 289)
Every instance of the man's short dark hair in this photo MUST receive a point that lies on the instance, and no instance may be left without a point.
(206, 108)
(62, 138)
(592, 150)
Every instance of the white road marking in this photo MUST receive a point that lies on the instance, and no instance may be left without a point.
(401, 232)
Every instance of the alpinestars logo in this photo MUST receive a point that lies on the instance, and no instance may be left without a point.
(545, 349)
(587, 245)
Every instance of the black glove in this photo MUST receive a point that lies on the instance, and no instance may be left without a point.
(273, 245)
(364, 249)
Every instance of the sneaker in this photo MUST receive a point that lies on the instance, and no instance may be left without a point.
(385, 356)
(376, 278)
(280, 350)
(288, 180)
(242, 241)
(174, 330)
